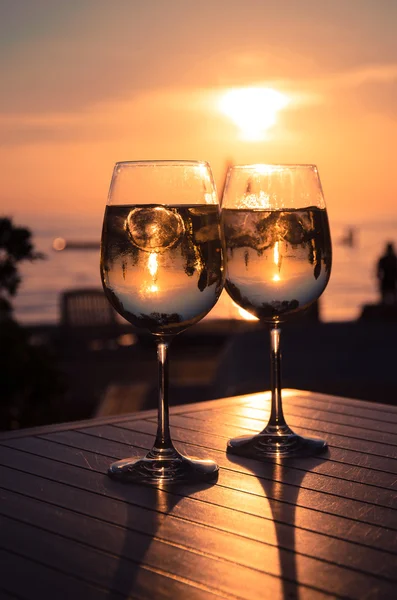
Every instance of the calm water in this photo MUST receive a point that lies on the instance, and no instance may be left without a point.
(353, 282)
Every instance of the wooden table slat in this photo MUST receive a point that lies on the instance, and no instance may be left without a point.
(329, 464)
(310, 528)
(118, 572)
(249, 485)
(317, 397)
(231, 542)
(329, 407)
(290, 475)
(346, 431)
(40, 581)
(369, 447)
(267, 472)
(326, 466)
(227, 506)
(317, 415)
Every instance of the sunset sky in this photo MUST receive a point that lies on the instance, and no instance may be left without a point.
(86, 83)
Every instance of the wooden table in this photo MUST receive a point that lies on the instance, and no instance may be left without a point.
(308, 528)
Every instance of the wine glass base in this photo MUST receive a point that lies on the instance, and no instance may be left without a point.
(268, 445)
(167, 467)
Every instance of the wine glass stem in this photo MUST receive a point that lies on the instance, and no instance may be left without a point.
(163, 437)
(276, 420)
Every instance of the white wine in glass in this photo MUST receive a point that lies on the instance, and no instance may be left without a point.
(278, 262)
(162, 270)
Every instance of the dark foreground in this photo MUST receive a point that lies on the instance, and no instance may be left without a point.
(353, 359)
(93, 375)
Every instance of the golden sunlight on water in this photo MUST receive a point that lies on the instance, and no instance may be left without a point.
(253, 109)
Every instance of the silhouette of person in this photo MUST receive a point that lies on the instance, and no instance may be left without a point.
(387, 275)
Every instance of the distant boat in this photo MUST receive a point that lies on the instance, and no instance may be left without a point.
(60, 244)
(349, 238)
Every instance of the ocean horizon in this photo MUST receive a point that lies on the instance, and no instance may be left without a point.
(352, 284)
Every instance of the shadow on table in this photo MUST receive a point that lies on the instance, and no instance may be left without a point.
(147, 511)
(283, 499)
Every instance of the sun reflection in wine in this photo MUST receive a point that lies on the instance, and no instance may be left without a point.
(277, 261)
(153, 269)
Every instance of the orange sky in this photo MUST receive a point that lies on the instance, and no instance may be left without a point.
(88, 83)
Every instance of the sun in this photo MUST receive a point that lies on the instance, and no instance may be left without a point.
(253, 109)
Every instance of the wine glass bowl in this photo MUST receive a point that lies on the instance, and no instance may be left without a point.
(278, 262)
(162, 270)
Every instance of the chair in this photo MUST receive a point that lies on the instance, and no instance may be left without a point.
(86, 308)
(88, 321)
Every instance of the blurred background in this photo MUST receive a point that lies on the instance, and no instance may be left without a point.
(87, 83)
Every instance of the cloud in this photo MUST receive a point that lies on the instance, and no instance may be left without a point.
(68, 56)
(149, 113)
(370, 89)
(364, 75)
(378, 98)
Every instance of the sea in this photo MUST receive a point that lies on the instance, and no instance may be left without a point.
(353, 283)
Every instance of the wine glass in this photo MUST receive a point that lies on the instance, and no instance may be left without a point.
(162, 269)
(278, 261)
